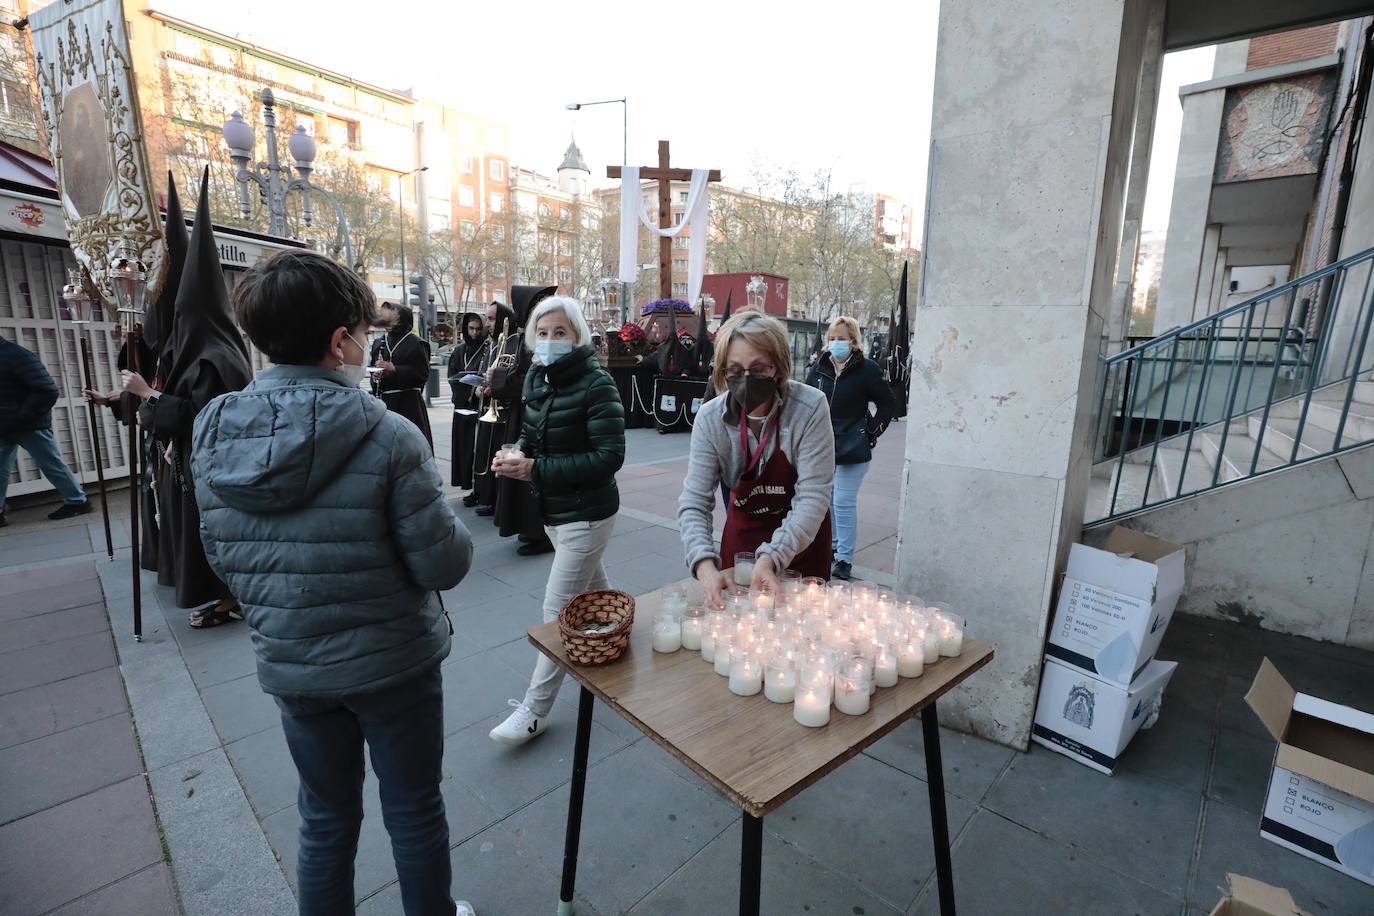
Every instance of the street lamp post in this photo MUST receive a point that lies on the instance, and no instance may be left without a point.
(401, 217)
(273, 179)
(625, 122)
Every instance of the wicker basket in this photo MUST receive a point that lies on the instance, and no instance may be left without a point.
(603, 606)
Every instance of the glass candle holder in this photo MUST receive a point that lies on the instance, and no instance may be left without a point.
(950, 629)
(811, 706)
(746, 673)
(780, 678)
(852, 688)
(859, 658)
(864, 590)
(667, 631)
(725, 648)
(710, 632)
(885, 665)
(693, 628)
(675, 599)
(930, 641)
(793, 585)
(744, 568)
(911, 660)
(737, 605)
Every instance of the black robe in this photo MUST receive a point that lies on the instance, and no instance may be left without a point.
(488, 437)
(466, 359)
(403, 390)
(517, 509)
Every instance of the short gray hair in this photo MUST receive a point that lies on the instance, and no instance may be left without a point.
(571, 309)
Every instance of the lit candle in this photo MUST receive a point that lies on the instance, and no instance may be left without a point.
(951, 639)
(746, 677)
(691, 633)
(851, 696)
(911, 658)
(885, 669)
(708, 644)
(931, 641)
(780, 686)
(667, 635)
(812, 707)
(724, 650)
(744, 572)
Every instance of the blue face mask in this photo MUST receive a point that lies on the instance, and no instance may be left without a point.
(549, 352)
(839, 349)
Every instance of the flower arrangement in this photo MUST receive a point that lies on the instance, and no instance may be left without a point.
(663, 305)
(632, 333)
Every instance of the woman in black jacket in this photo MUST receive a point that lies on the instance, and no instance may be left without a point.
(851, 381)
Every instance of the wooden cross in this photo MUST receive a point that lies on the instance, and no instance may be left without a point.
(664, 175)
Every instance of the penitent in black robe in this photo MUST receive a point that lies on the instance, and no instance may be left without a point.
(403, 390)
(466, 359)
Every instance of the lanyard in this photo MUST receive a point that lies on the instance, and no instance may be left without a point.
(744, 439)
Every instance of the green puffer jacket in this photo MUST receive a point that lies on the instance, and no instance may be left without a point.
(574, 429)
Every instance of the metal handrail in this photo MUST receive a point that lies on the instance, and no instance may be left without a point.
(1232, 375)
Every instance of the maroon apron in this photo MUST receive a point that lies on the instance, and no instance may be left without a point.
(757, 508)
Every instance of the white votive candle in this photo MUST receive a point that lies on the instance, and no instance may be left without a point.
(744, 573)
(885, 669)
(667, 636)
(851, 696)
(746, 678)
(951, 640)
(780, 686)
(911, 660)
(931, 641)
(708, 644)
(812, 708)
(692, 633)
(722, 660)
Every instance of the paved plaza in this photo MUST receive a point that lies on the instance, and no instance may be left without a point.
(150, 778)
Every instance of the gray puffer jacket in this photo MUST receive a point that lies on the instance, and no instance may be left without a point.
(325, 516)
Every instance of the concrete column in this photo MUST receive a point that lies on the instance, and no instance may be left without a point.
(1206, 276)
(1147, 103)
(1030, 146)
(1221, 277)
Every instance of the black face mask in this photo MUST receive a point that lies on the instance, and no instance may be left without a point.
(751, 392)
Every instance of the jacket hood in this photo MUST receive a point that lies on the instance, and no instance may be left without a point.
(523, 299)
(273, 445)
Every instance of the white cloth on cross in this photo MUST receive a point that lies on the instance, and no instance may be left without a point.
(633, 213)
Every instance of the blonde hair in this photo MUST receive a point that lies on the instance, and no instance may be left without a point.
(851, 327)
(758, 330)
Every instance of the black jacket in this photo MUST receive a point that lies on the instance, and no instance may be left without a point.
(860, 383)
(27, 392)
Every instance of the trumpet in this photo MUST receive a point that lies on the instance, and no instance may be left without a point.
(505, 361)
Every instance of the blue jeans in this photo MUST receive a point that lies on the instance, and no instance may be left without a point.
(42, 448)
(844, 509)
(404, 730)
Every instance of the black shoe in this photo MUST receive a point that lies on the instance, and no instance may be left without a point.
(486, 511)
(470, 500)
(842, 570)
(535, 549)
(70, 510)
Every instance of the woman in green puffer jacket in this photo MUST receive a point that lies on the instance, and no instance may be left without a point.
(572, 444)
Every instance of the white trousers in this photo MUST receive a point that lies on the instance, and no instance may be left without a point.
(577, 550)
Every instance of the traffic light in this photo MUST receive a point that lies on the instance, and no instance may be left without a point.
(415, 296)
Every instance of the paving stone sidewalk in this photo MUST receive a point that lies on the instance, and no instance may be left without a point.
(1031, 832)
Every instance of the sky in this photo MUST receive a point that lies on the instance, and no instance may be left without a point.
(733, 85)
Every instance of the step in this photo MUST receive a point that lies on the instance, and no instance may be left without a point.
(1282, 431)
(1196, 474)
(1359, 422)
(1240, 451)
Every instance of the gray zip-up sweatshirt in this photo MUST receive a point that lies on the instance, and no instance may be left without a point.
(805, 437)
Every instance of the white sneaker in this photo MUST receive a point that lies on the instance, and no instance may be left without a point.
(519, 727)
(464, 909)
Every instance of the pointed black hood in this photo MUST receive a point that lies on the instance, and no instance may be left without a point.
(726, 315)
(505, 320)
(158, 320)
(209, 356)
(524, 298)
(704, 351)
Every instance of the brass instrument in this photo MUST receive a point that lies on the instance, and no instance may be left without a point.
(505, 361)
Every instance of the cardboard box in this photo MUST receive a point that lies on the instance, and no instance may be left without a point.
(1320, 802)
(1092, 721)
(1248, 897)
(1115, 604)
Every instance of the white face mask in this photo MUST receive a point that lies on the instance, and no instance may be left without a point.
(355, 374)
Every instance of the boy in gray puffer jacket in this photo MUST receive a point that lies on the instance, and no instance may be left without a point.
(324, 514)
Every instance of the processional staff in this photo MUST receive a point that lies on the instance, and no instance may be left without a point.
(128, 277)
(81, 306)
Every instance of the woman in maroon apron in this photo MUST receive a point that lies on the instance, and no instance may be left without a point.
(769, 440)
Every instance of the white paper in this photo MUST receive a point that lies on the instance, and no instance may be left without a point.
(464, 412)
(474, 380)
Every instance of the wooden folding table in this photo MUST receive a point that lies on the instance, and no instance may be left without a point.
(748, 748)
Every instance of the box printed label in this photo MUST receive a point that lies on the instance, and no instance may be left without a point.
(1323, 821)
(1093, 626)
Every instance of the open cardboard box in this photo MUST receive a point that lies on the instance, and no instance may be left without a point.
(1248, 897)
(1320, 802)
(1115, 604)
